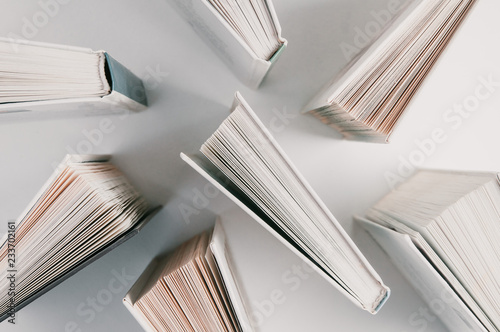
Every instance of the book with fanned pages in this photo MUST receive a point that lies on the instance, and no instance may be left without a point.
(368, 98)
(441, 229)
(42, 79)
(246, 34)
(244, 161)
(191, 289)
(85, 209)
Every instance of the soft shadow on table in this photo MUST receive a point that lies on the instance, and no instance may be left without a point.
(154, 166)
(400, 287)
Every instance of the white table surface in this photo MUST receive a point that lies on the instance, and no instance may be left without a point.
(186, 107)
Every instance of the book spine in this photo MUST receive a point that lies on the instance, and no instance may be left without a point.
(124, 81)
(265, 67)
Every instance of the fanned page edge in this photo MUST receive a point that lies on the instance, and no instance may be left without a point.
(69, 158)
(238, 56)
(371, 227)
(76, 49)
(113, 97)
(240, 100)
(46, 45)
(274, 18)
(198, 167)
(240, 40)
(87, 261)
(217, 245)
(323, 97)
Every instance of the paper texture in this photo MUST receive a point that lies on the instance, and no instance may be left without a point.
(433, 289)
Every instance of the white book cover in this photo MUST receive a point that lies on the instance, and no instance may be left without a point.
(209, 172)
(428, 283)
(223, 260)
(226, 43)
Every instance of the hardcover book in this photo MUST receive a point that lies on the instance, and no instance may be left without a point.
(191, 289)
(246, 34)
(85, 209)
(244, 161)
(441, 229)
(42, 78)
(368, 98)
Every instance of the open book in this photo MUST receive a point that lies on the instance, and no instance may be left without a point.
(244, 161)
(85, 209)
(41, 78)
(367, 99)
(245, 34)
(191, 289)
(441, 228)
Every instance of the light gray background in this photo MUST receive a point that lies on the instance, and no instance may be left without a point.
(186, 107)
